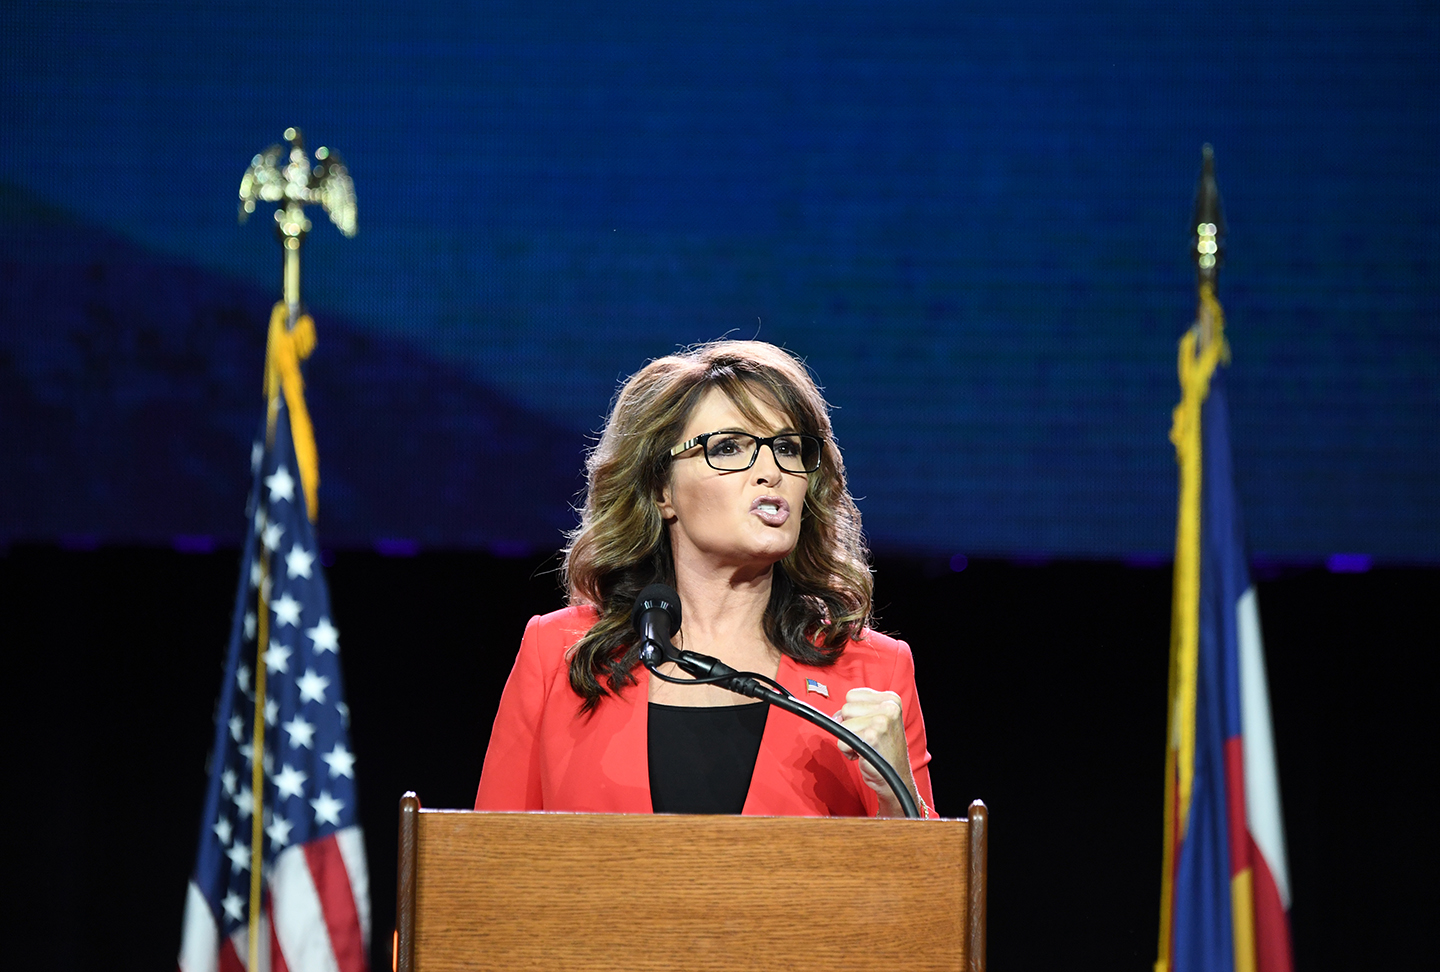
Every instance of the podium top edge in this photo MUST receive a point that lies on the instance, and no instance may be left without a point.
(571, 814)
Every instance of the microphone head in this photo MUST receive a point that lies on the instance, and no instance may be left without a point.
(661, 596)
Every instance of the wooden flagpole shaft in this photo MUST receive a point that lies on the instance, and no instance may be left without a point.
(257, 766)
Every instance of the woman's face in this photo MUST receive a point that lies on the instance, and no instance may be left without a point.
(721, 520)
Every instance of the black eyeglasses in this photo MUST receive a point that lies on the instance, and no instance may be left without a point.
(735, 451)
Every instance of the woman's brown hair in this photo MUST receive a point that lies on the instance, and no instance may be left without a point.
(820, 597)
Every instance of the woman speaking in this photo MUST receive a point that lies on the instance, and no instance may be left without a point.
(717, 473)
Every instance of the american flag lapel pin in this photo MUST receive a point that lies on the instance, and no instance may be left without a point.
(817, 687)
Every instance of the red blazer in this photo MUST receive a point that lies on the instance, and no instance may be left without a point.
(545, 755)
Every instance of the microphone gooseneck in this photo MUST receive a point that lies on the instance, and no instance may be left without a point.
(656, 616)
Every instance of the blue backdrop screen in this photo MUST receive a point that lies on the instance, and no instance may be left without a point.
(970, 220)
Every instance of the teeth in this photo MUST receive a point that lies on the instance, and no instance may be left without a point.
(769, 508)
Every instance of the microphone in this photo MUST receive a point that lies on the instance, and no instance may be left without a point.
(655, 617)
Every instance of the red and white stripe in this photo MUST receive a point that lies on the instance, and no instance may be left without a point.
(317, 918)
(1271, 876)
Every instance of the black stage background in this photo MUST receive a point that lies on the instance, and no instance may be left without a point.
(1044, 688)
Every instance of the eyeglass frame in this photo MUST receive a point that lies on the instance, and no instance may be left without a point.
(760, 441)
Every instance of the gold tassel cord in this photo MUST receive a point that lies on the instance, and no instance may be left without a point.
(1202, 350)
(285, 349)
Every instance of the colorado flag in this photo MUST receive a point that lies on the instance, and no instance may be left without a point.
(1225, 894)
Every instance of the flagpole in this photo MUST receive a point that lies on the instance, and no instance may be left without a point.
(290, 339)
(257, 773)
(1202, 349)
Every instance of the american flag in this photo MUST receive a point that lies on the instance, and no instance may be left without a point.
(315, 910)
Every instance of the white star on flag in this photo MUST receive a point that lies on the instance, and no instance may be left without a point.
(228, 781)
(244, 802)
(312, 686)
(325, 636)
(287, 611)
(290, 782)
(298, 562)
(237, 727)
(327, 808)
(277, 658)
(256, 573)
(222, 830)
(234, 906)
(341, 761)
(279, 831)
(239, 856)
(242, 677)
(302, 733)
(257, 453)
(271, 535)
(282, 487)
(250, 615)
(272, 712)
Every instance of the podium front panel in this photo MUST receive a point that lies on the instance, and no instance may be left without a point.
(533, 891)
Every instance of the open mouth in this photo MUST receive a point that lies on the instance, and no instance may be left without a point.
(771, 509)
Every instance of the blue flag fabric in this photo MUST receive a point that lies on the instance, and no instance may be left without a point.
(1204, 930)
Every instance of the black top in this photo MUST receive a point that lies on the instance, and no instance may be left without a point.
(702, 757)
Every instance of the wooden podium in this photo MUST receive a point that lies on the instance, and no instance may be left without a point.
(553, 891)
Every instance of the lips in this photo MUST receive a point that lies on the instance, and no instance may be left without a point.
(772, 510)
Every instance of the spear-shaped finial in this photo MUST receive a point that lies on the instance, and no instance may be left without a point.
(1208, 250)
(293, 186)
(1208, 224)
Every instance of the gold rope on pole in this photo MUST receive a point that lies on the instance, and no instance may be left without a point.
(285, 349)
(1201, 350)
